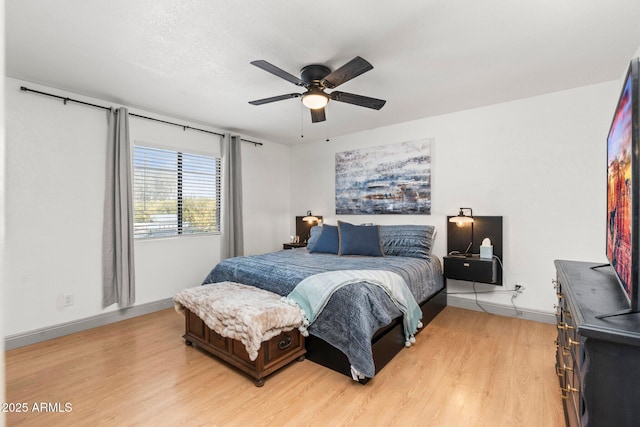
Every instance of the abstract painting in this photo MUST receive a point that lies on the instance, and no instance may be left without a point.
(390, 179)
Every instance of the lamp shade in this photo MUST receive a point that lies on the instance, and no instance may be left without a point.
(314, 100)
(310, 217)
(463, 219)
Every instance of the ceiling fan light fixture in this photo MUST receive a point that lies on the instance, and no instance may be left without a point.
(315, 78)
(315, 100)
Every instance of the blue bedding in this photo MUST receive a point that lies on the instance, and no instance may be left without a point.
(355, 312)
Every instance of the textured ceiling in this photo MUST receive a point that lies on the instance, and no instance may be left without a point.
(190, 59)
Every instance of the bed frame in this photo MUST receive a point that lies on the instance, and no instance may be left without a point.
(386, 342)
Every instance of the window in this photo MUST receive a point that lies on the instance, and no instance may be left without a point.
(174, 193)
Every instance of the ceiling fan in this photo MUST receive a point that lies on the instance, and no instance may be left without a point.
(316, 78)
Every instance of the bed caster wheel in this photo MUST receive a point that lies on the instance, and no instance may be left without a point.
(300, 359)
(188, 343)
(259, 383)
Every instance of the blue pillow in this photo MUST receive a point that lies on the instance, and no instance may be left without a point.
(314, 233)
(414, 241)
(359, 239)
(328, 240)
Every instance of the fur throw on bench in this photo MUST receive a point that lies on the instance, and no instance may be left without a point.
(244, 313)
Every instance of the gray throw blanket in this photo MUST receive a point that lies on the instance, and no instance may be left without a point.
(313, 293)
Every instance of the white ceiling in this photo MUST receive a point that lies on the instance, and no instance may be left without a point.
(190, 59)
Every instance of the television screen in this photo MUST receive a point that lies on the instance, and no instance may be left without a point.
(622, 188)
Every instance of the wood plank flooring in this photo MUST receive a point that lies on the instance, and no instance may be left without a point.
(467, 369)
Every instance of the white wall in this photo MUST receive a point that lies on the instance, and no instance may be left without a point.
(55, 163)
(538, 162)
(2, 214)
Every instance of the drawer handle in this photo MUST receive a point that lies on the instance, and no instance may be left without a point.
(563, 325)
(284, 342)
(558, 371)
(559, 295)
(572, 342)
(568, 390)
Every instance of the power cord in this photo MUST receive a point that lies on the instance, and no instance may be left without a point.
(514, 292)
(476, 298)
(505, 291)
(513, 297)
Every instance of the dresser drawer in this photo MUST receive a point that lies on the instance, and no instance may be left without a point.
(568, 359)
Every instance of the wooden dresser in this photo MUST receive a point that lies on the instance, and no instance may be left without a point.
(597, 360)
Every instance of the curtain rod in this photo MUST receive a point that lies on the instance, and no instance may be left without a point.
(184, 127)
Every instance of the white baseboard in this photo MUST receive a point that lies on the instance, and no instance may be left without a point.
(502, 310)
(43, 334)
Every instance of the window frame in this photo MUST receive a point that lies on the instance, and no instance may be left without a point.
(141, 233)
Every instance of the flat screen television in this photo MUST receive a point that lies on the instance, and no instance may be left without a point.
(623, 189)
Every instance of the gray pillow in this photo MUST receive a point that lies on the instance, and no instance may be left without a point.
(313, 236)
(414, 241)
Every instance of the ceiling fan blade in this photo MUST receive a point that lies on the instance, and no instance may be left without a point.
(278, 72)
(362, 101)
(274, 99)
(351, 69)
(317, 115)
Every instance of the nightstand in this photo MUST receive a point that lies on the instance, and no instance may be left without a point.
(472, 269)
(466, 240)
(293, 245)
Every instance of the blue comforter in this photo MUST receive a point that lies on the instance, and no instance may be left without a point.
(355, 312)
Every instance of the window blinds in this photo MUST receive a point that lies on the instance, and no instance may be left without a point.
(175, 193)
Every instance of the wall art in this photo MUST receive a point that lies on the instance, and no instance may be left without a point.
(390, 179)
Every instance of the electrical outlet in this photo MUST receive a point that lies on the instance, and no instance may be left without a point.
(517, 290)
(68, 300)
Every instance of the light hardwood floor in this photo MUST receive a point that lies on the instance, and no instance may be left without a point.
(467, 369)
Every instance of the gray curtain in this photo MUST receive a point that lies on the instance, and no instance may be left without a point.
(232, 236)
(118, 275)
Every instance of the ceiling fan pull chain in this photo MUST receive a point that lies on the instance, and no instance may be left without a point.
(301, 121)
(326, 128)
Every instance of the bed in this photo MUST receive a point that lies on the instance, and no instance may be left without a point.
(360, 328)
